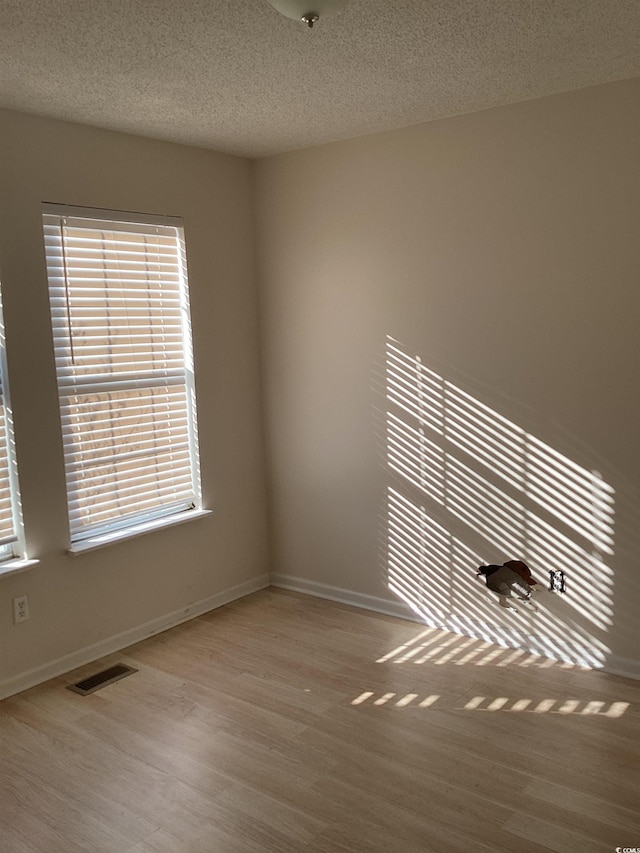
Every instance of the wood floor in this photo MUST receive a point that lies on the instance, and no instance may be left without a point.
(287, 723)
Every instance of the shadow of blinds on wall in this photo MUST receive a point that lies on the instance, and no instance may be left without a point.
(471, 486)
(122, 337)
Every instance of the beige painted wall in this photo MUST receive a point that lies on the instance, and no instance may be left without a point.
(79, 601)
(502, 250)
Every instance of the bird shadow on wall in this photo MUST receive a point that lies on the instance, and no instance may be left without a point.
(469, 484)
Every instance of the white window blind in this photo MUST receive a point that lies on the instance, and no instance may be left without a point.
(122, 337)
(10, 515)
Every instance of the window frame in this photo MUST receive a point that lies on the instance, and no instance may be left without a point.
(13, 549)
(73, 385)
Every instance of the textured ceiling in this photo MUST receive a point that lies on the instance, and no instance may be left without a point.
(236, 76)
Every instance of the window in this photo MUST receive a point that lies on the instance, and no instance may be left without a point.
(122, 338)
(11, 531)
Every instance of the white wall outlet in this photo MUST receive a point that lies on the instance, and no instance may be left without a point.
(20, 609)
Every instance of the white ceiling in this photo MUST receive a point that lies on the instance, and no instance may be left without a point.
(236, 76)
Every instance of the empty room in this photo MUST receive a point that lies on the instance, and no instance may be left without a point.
(319, 480)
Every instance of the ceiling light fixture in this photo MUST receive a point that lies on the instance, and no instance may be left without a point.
(307, 11)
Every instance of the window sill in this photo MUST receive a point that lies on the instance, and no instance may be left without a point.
(16, 565)
(106, 539)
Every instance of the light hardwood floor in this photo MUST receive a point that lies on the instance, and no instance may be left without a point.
(287, 723)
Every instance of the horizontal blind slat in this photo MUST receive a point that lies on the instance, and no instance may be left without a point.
(129, 432)
(112, 484)
(106, 522)
(88, 500)
(84, 406)
(70, 386)
(80, 468)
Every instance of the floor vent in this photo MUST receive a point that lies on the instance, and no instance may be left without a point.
(101, 679)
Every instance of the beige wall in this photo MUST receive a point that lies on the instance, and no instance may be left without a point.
(501, 250)
(80, 601)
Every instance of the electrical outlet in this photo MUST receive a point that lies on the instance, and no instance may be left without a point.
(20, 609)
(556, 580)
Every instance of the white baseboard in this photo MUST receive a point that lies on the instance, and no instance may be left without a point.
(344, 596)
(627, 667)
(57, 667)
(611, 663)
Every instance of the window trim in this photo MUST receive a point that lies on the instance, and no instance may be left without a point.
(132, 524)
(105, 539)
(13, 550)
(16, 565)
